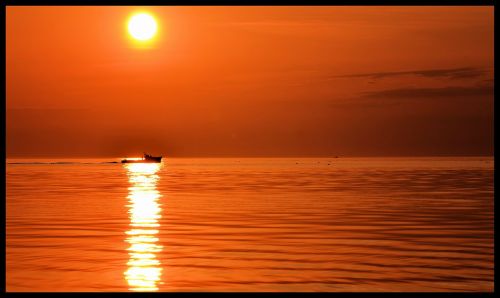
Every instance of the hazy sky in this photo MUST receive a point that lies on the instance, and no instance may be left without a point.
(251, 81)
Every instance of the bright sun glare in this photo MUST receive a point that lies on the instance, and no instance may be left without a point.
(142, 26)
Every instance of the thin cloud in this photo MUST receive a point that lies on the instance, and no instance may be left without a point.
(452, 73)
(446, 92)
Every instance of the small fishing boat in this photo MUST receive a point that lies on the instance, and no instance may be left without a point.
(145, 159)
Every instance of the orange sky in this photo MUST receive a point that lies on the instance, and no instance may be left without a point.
(250, 81)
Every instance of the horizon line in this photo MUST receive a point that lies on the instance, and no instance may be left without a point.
(263, 156)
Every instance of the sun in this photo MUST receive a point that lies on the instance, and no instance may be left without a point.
(142, 26)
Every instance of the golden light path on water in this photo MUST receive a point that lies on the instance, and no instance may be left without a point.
(144, 269)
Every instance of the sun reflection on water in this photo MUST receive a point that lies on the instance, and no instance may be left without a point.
(144, 269)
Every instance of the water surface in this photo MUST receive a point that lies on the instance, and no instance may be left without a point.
(250, 224)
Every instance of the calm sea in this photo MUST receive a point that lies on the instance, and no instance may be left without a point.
(250, 224)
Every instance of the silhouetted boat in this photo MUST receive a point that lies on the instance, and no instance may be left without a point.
(145, 159)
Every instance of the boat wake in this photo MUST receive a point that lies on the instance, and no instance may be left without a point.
(60, 163)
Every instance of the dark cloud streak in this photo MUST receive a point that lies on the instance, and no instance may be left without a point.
(452, 73)
(431, 93)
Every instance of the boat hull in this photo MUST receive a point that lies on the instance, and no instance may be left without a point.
(141, 161)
